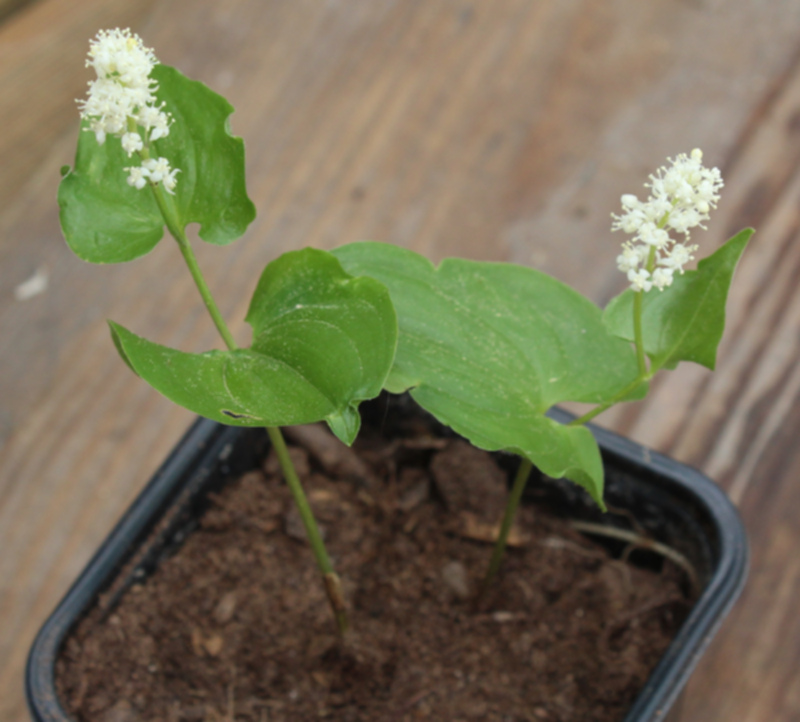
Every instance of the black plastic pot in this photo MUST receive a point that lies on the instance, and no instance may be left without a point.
(675, 503)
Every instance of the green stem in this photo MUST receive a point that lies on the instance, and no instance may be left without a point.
(332, 583)
(333, 586)
(167, 209)
(208, 299)
(611, 402)
(638, 335)
(651, 259)
(512, 504)
(638, 303)
(641, 358)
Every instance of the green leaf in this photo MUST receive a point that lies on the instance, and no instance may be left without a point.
(685, 321)
(104, 220)
(323, 342)
(334, 328)
(211, 185)
(488, 348)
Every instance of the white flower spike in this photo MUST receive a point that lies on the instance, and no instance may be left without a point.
(122, 103)
(681, 198)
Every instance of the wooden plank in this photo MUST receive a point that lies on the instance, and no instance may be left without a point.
(504, 131)
(9, 7)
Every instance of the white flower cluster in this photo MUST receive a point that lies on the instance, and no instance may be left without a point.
(122, 103)
(681, 197)
(154, 171)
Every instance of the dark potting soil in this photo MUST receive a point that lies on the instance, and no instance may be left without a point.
(236, 626)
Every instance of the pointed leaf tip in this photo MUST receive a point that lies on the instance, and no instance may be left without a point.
(115, 337)
(345, 424)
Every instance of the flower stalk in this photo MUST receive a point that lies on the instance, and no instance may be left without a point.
(638, 334)
(681, 197)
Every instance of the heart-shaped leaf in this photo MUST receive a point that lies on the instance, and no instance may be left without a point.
(323, 341)
(107, 221)
(487, 348)
(685, 321)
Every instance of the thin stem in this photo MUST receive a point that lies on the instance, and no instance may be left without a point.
(651, 259)
(168, 212)
(208, 299)
(512, 504)
(611, 402)
(641, 359)
(638, 335)
(332, 583)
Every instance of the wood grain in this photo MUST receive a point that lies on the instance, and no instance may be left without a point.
(502, 131)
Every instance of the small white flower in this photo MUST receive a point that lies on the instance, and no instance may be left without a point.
(679, 255)
(155, 120)
(690, 188)
(632, 257)
(157, 168)
(159, 171)
(149, 116)
(132, 142)
(137, 177)
(169, 181)
(99, 131)
(662, 277)
(640, 280)
(628, 260)
(651, 235)
(657, 208)
(160, 127)
(684, 219)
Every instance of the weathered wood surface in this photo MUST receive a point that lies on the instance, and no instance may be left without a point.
(504, 131)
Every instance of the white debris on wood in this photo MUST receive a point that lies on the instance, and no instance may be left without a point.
(35, 285)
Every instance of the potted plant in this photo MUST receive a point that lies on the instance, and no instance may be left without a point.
(485, 350)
